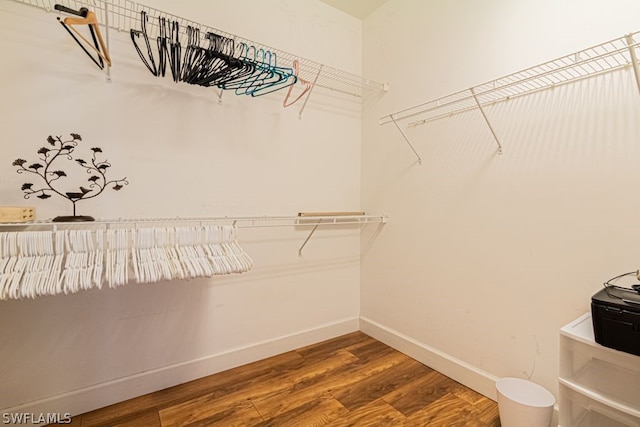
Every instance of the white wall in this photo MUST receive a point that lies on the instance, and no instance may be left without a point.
(184, 155)
(486, 256)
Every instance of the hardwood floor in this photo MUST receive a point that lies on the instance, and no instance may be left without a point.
(353, 380)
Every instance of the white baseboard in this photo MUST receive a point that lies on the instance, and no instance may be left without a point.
(462, 372)
(100, 395)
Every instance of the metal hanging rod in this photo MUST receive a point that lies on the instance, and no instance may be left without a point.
(609, 56)
(308, 220)
(122, 15)
(240, 222)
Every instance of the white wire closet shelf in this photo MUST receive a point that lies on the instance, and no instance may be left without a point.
(238, 221)
(609, 56)
(122, 15)
(301, 220)
(50, 258)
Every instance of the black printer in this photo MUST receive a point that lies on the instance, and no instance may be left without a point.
(616, 318)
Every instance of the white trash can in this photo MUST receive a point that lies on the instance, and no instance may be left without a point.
(522, 403)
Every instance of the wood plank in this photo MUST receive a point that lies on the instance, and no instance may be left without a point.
(420, 393)
(466, 394)
(489, 415)
(448, 411)
(328, 347)
(377, 385)
(208, 405)
(147, 419)
(340, 213)
(372, 350)
(313, 380)
(241, 414)
(343, 375)
(324, 410)
(221, 399)
(376, 413)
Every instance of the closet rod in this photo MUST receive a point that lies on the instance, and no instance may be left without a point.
(122, 15)
(240, 222)
(612, 55)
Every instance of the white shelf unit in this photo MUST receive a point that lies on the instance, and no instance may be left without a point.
(300, 221)
(238, 221)
(599, 386)
(122, 15)
(619, 53)
(41, 258)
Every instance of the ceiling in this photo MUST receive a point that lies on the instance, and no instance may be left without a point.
(358, 8)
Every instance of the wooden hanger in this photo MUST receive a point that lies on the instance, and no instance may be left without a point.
(307, 86)
(86, 17)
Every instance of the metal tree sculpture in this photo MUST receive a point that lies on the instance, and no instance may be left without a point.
(60, 150)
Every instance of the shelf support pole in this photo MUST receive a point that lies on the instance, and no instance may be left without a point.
(304, 104)
(308, 237)
(406, 139)
(106, 29)
(634, 59)
(486, 119)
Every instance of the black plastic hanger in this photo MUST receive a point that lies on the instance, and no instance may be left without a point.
(150, 63)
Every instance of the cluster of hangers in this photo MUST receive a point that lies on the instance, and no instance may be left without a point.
(220, 62)
(37, 263)
(166, 253)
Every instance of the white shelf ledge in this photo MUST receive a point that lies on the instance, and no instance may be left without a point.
(239, 221)
(619, 53)
(605, 57)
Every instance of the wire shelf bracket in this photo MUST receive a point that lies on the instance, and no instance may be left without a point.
(606, 57)
(407, 140)
(306, 98)
(308, 238)
(634, 58)
(486, 119)
(336, 219)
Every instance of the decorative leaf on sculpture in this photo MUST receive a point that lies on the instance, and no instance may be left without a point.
(43, 196)
(96, 150)
(117, 187)
(103, 167)
(76, 136)
(43, 150)
(94, 178)
(59, 173)
(68, 147)
(19, 162)
(26, 186)
(82, 162)
(35, 166)
(51, 140)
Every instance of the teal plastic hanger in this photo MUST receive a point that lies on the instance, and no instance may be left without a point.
(282, 78)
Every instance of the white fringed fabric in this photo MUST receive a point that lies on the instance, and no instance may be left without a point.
(36, 263)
